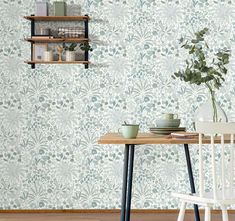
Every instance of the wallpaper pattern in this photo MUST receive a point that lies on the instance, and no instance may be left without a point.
(52, 117)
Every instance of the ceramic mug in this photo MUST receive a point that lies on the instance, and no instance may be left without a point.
(170, 116)
(129, 131)
(48, 56)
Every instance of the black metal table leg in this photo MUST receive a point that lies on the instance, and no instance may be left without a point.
(124, 184)
(191, 179)
(130, 176)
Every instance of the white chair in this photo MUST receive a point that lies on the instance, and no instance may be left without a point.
(221, 172)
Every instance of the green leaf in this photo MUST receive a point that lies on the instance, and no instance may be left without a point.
(200, 39)
(224, 70)
(225, 61)
(192, 50)
(194, 41)
(219, 54)
(187, 46)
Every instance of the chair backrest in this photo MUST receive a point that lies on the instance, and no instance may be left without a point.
(222, 179)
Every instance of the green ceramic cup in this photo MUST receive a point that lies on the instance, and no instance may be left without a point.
(129, 131)
(170, 116)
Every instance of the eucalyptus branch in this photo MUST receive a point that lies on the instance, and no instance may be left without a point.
(197, 70)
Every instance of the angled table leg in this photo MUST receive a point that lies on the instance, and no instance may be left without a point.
(191, 179)
(124, 182)
(130, 176)
(127, 182)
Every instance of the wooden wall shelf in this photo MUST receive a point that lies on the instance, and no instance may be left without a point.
(57, 40)
(57, 18)
(57, 62)
(33, 19)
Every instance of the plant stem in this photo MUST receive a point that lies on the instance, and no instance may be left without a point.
(215, 112)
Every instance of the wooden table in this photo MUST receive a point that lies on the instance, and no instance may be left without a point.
(147, 138)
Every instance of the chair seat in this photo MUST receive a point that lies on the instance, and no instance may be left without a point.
(207, 198)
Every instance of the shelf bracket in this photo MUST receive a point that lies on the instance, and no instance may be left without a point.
(86, 53)
(32, 43)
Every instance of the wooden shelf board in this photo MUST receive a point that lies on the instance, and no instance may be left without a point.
(57, 18)
(57, 40)
(57, 62)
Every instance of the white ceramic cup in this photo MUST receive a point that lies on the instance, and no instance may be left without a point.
(70, 56)
(48, 56)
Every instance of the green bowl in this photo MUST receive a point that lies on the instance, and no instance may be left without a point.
(168, 123)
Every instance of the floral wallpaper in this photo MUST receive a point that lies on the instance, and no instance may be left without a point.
(51, 117)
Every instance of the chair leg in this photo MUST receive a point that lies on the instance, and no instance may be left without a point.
(224, 213)
(207, 213)
(182, 211)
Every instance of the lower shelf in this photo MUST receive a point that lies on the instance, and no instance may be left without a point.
(57, 62)
(33, 63)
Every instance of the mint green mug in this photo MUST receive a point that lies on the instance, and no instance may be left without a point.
(129, 131)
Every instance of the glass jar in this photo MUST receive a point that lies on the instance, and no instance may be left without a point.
(210, 111)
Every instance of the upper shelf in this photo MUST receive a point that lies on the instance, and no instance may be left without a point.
(57, 18)
(56, 40)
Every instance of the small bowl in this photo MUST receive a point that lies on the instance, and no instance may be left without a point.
(168, 123)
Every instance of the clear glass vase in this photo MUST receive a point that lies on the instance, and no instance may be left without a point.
(210, 111)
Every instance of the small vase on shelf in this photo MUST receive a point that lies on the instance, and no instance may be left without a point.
(70, 55)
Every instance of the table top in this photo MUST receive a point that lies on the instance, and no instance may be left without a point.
(148, 138)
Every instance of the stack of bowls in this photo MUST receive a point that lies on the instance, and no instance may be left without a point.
(167, 125)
